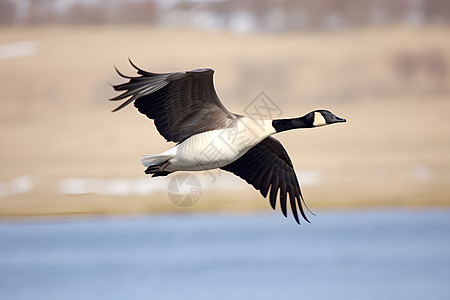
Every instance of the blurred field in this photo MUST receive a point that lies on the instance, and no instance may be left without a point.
(392, 85)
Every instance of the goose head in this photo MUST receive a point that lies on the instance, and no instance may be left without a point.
(322, 117)
(316, 118)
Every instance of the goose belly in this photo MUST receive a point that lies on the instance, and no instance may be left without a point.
(214, 149)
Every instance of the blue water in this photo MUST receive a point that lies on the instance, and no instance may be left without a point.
(342, 255)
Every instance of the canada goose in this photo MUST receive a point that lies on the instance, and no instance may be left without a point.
(186, 110)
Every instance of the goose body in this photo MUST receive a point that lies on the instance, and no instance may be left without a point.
(187, 111)
(215, 148)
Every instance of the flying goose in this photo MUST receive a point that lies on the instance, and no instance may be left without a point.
(186, 110)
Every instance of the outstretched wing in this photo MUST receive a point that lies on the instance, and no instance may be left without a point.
(267, 165)
(181, 104)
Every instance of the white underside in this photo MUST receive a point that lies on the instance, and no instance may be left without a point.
(213, 149)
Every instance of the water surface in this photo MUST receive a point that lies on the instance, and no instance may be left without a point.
(385, 254)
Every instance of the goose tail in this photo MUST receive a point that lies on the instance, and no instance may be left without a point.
(156, 164)
(153, 160)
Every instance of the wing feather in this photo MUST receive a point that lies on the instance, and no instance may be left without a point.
(181, 104)
(274, 171)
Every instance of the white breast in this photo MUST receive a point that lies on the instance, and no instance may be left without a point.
(217, 148)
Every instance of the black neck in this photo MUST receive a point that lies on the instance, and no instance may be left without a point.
(288, 124)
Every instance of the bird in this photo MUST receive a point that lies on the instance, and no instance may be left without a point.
(187, 111)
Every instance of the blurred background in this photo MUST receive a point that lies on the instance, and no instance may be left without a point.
(381, 64)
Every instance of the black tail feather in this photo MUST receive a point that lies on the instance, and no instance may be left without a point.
(158, 170)
(160, 174)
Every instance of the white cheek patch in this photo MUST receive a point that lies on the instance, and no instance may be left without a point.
(319, 120)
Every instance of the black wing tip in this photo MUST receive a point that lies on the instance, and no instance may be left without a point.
(139, 70)
(145, 73)
(116, 109)
(297, 200)
(125, 86)
(121, 74)
(123, 105)
(283, 205)
(297, 219)
(306, 206)
(302, 212)
(133, 64)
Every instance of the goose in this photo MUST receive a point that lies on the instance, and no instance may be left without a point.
(187, 111)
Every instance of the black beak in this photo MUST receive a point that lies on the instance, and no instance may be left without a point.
(339, 120)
